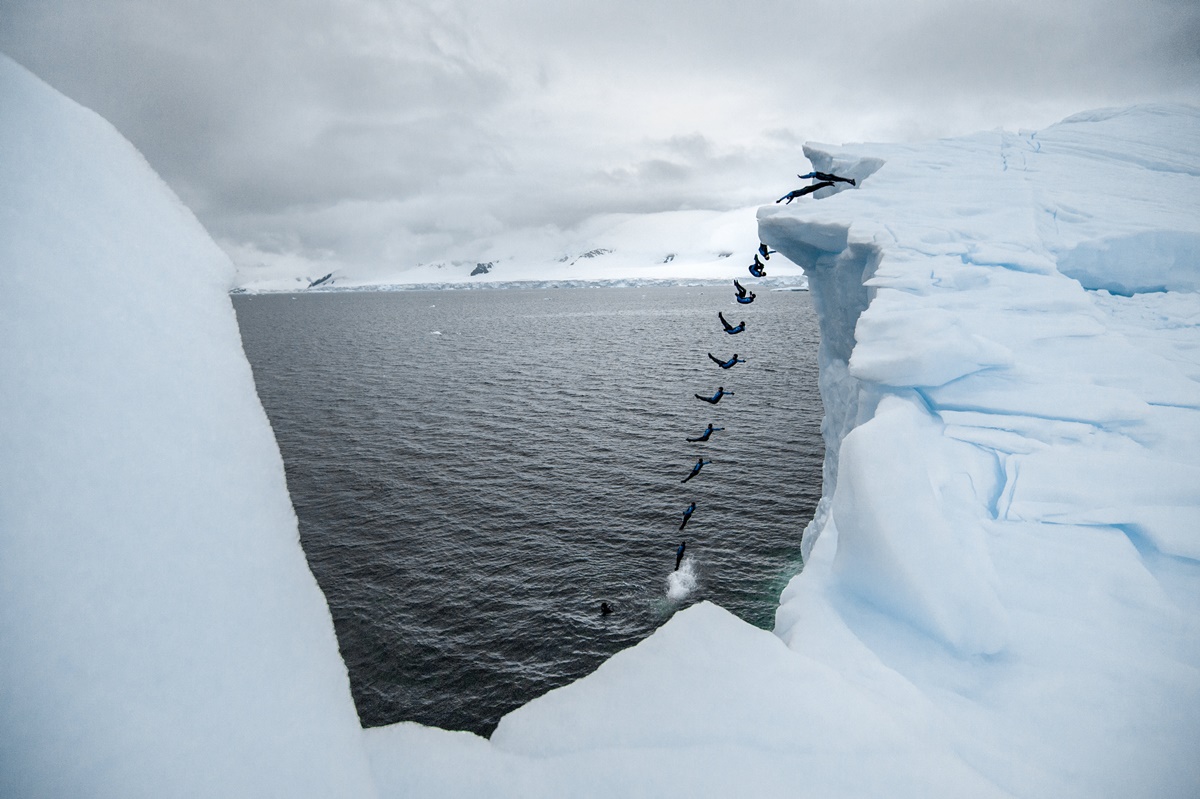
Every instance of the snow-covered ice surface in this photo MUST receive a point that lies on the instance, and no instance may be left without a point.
(1002, 588)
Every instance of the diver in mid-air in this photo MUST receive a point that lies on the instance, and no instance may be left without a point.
(764, 252)
(758, 268)
(743, 296)
(700, 464)
(726, 364)
(708, 431)
(730, 329)
(687, 514)
(828, 177)
(715, 398)
(679, 554)
(795, 193)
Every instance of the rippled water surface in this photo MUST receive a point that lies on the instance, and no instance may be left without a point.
(475, 471)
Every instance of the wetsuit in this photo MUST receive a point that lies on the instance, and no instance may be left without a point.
(827, 176)
(743, 296)
(687, 514)
(730, 329)
(792, 195)
(700, 464)
(764, 252)
(726, 364)
(758, 268)
(747, 299)
(715, 398)
(679, 554)
(708, 432)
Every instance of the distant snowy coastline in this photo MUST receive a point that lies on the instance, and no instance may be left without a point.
(1002, 591)
(789, 283)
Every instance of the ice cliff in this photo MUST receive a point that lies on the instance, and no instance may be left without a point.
(1002, 588)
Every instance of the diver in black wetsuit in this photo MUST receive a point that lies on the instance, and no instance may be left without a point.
(726, 364)
(605, 609)
(700, 464)
(828, 177)
(687, 514)
(764, 252)
(679, 554)
(730, 329)
(715, 398)
(792, 195)
(707, 432)
(758, 268)
(743, 296)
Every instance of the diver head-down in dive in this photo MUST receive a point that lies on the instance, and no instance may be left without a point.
(687, 514)
(700, 464)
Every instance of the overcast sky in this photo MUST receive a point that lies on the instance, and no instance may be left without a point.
(368, 131)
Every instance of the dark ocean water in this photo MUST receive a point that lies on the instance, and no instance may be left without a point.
(475, 471)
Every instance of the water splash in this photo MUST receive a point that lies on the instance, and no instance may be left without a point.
(682, 581)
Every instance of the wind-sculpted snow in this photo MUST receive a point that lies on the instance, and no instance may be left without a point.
(1001, 592)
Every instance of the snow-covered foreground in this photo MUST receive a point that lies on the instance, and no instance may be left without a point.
(1002, 594)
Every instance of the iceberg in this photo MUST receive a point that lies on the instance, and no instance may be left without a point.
(1001, 590)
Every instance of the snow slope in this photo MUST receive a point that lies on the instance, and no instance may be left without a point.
(161, 633)
(1002, 589)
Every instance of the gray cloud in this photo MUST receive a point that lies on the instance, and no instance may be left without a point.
(391, 132)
